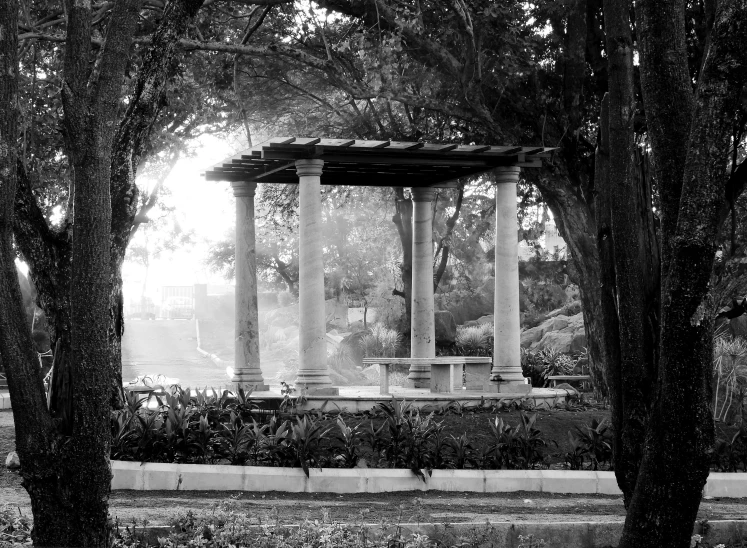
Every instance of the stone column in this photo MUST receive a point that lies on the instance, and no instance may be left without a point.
(247, 370)
(312, 351)
(422, 321)
(506, 374)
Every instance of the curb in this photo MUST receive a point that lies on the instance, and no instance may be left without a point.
(220, 477)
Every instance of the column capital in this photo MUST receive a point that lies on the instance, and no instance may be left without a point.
(507, 174)
(244, 188)
(423, 194)
(309, 167)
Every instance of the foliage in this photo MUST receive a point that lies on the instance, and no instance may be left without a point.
(515, 448)
(382, 342)
(475, 340)
(731, 454)
(596, 440)
(539, 365)
(729, 375)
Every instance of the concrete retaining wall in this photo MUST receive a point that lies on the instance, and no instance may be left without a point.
(211, 477)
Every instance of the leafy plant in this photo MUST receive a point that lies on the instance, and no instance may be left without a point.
(350, 440)
(575, 457)
(596, 438)
(463, 453)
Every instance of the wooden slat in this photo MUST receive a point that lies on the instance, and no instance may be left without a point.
(336, 142)
(406, 145)
(370, 144)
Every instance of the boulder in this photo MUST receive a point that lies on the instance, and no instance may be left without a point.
(531, 336)
(471, 323)
(560, 340)
(579, 341)
(446, 327)
(485, 319)
(12, 462)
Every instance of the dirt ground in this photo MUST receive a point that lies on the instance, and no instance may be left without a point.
(159, 507)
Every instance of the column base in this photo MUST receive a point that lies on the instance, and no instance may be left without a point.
(418, 383)
(508, 387)
(255, 386)
(322, 391)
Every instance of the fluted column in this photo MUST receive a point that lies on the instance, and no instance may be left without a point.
(423, 328)
(247, 370)
(312, 353)
(506, 373)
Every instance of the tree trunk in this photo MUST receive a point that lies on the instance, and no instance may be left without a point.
(679, 440)
(576, 223)
(636, 257)
(403, 221)
(35, 434)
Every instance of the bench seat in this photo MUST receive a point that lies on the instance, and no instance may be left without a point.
(446, 371)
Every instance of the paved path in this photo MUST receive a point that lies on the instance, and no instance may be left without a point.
(167, 347)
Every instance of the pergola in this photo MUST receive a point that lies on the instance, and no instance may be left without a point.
(424, 167)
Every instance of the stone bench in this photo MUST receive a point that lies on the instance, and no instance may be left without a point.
(446, 371)
(555, 379)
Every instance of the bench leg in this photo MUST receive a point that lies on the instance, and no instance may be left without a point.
(383, 378)
(442, 378)
(477, 375)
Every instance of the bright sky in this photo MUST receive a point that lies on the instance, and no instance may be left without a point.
(203, 206)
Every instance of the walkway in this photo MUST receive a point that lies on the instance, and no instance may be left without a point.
(167, 347)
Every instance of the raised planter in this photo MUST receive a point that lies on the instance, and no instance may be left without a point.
(215, 477)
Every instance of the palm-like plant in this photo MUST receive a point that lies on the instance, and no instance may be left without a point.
(729, 371)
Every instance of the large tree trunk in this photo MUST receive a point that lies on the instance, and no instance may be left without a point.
(636, 257)
(680, 435)
(35, 434)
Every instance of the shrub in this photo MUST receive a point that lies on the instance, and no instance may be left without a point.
(475, 340)
(382, 342)
(539, 365)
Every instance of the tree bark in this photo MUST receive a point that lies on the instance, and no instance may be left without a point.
(36, 438)
(403, 221)
(575, 221)
(676, 456)
(636, 256)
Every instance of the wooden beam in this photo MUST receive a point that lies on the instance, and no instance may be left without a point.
(275, 170)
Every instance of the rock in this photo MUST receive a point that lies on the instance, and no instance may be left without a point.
(485, 319)
(579, 341)
(12, 462)
(446, 327)
(557, 323)
(471, 323)
(530, 336)
(560, 340)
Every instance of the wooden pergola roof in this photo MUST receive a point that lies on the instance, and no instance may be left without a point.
(371, 163)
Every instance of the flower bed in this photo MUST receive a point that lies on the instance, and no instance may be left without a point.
(233, 430)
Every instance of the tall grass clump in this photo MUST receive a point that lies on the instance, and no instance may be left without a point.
(476, 340)
(382, 342)
(729, 375)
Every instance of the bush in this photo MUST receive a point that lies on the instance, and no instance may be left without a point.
(475, 340)
(539, 365)
(382, 342)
